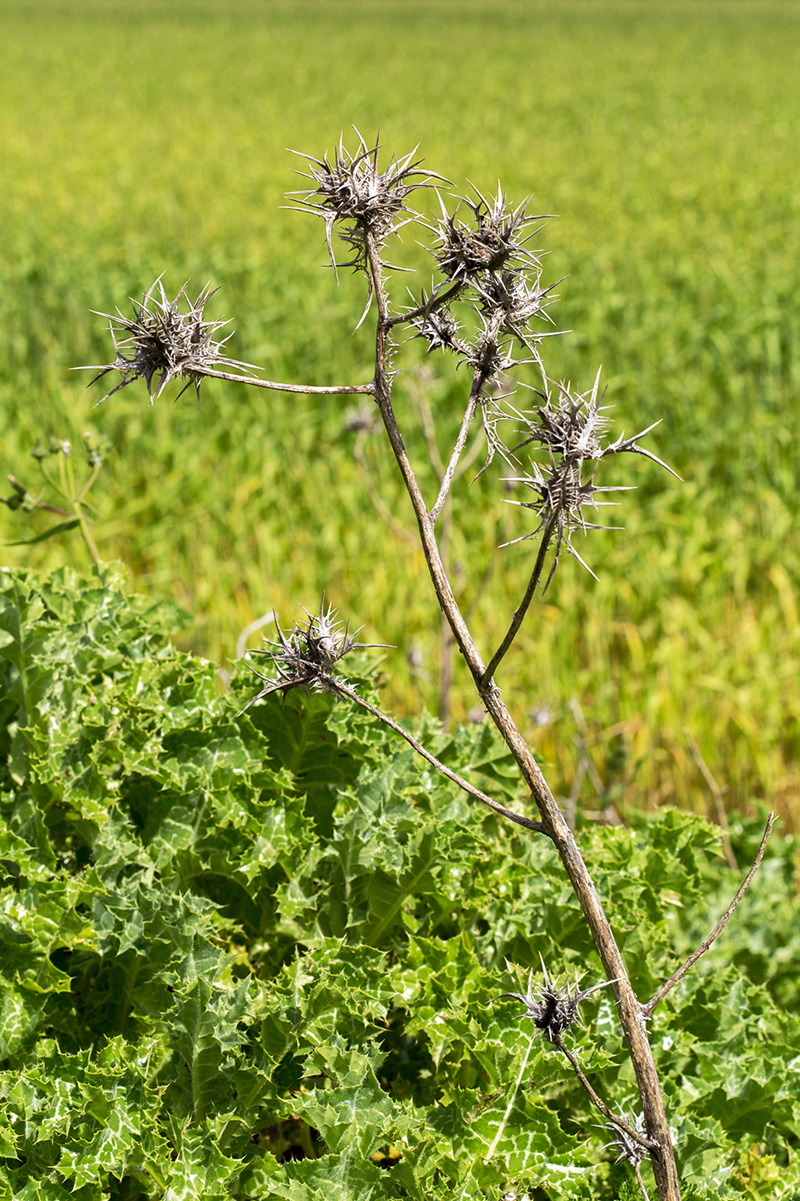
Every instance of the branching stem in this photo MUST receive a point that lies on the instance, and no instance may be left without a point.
(715, 933)
(300, 389)
(424, 309)
(524, 605)
(343, 689)
(553, 821)
(596, 1100)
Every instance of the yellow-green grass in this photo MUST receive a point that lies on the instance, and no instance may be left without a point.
(149, 137)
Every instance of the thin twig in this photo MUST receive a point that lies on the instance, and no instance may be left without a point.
(301, 389)
(430, 306)
(524, 605)
(717, 793)
(715, 933)
(461, 441)
(344, 690)
(640, 1182)
(641, 1139)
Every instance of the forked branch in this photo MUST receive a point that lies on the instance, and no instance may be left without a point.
(648, 1009)
(342, 689)
(647, 1144)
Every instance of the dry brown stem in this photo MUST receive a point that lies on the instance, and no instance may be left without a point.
(715, 933)
(553, 821)
(597, 1101)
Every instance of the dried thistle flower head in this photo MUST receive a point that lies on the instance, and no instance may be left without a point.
(553, 1010)
(493, 242)
(165, 341)
(514, 300)
(570, 427)
(439, 328)
(367, 200)
(306, 656)
(622, 1142)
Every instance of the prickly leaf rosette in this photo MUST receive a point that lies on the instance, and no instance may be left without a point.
(307, 655)
(552, 1010)
(164, 340)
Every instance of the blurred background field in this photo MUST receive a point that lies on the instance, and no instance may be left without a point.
(150, 137)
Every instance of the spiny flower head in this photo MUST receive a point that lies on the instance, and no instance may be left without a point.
(622, 1142)
(553, 1010)
(570, 427)
(307, 655)
(354, 190)
(492, 242)
(514, 300)
(439, 329)
(164, 340)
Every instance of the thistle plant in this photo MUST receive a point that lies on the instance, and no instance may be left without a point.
(489, 309)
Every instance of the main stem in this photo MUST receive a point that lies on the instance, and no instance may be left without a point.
(630, 1011)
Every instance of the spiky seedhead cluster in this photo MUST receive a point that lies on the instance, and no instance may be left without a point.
(570, 427)
(165, 340)
(492, 243)
(486, 263)
(553, 1010)
(307, 655)
(622, 1142)
(354, 190)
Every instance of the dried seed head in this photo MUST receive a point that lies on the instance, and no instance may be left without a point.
(494, 241)
(162, 342)
(517, 302)
(439, 329)
(570, 425)
(553, 1010)
(571, 428)
(622, 1142)
(367, 200)
(306, 657)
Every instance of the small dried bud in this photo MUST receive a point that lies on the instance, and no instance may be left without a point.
(553, 1010)
(361, 420)
(95, 451)
(622, 1142)
(439, 329)
(20, 497)
(306, 657)
(162, 341)
(490, 356)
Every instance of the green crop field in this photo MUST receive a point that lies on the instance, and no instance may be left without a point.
(143, 138)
